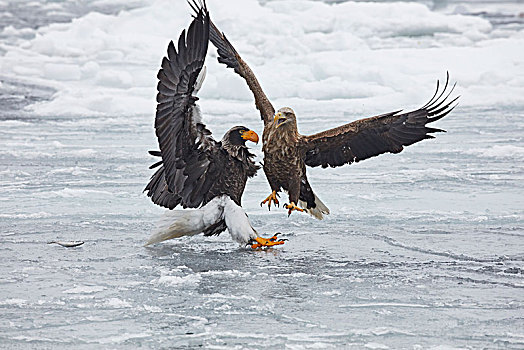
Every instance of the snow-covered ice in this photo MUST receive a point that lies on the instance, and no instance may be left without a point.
(423, 249)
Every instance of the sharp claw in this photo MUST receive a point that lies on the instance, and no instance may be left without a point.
(261, 242)
(272, 197)
(291, 207)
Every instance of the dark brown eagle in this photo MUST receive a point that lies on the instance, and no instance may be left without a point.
(196, 171)
(287, 153)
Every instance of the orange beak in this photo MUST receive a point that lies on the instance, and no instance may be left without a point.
(250, 135)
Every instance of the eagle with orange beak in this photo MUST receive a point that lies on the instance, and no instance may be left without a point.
(205, 176)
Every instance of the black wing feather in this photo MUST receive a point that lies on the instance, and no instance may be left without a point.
(186, 146)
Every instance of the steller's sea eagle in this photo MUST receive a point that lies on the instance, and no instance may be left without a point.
(287, 153)
(196, 171)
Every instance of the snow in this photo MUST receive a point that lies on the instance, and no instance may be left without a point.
(102, 64)
(84, 290)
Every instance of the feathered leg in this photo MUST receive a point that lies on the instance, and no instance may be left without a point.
(241, 230)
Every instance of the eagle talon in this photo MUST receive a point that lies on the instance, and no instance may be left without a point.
(292, 207)
(261, 242)
(272, 197)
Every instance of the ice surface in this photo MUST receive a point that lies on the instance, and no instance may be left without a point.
(423, 249)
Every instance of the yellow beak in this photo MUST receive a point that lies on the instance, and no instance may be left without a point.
(277, 117)
(250, 135)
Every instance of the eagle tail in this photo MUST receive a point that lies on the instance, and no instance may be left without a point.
(317, 212)
(178, 223)
(189, 222)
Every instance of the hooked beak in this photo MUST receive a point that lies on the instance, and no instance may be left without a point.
(250, 135)
(279, 119)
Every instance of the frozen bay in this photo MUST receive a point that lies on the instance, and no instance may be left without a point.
(422, 249)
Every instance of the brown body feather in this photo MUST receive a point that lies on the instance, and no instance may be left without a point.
(283, 163)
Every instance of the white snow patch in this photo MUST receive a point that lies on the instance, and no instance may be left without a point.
(14, 302)
(353, 55)
(364, 305)
(86, 152)
(227, 273)
(375, 346)
(75, 171)
(84, 290)
(116, 339)
(76, 192)
(499, 151)
(38, 215)
(152, 308)
(177, 280)
(117, 303)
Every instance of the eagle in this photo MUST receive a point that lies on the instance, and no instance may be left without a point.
(287, 153)
(196, 172)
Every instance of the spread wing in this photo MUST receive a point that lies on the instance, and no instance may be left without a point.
(370, 137)
(230, 57)
(188, 151)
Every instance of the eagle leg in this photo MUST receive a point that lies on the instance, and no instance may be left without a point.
(261, 242)
(292, 207)
(271, 197)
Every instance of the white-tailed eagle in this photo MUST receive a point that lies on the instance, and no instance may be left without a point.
(287, 153)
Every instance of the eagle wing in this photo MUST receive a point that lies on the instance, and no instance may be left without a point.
(369, 137)
(229, 56)
(190, 155)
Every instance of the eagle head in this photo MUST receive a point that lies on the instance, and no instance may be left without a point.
(285, 117)
(234, 141)
(237, 137)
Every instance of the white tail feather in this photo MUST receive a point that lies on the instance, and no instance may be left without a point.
(318, 212)
(177, 223)
(189, 222)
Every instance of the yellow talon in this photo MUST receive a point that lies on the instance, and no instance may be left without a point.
(292, 207)
(267, 242)
(271, 197)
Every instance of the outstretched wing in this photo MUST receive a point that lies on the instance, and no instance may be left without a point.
(370, 137)
(187, 149)
(230, 57)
